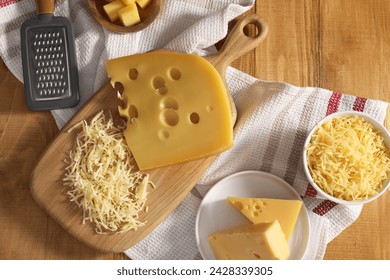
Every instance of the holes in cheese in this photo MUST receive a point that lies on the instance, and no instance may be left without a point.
(169, 103)
(133, 73)
(163, 134)
(159, 85)
(209, 108)
(183, 107)
(175, 73)
(238, 205)
(133, 113)
(257, 256)
(119, 88)
(169, 117)
(194, 118)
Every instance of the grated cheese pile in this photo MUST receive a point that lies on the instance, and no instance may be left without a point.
(102, 178)
(348, 159)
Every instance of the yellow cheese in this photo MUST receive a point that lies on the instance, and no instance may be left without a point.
(348, 158)
(102, 178)
(128, 2)
(176, 105)
(263, 241)
(259, 210)
(112, 9)
(143, 3)
(129, 15)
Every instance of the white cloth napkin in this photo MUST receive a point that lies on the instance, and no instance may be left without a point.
(274, 118)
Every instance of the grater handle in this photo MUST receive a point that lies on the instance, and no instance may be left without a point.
(45, 6)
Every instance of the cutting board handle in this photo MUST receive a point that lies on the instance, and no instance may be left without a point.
(45, 6)
(238, 43)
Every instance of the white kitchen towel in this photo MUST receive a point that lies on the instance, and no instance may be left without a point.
(273, 119)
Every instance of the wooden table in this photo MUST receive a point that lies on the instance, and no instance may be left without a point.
(339, 45)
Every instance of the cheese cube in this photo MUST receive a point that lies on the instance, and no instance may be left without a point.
(176, 105)
(259, 210)
(127, 2)
(112, 9)
(143, 3)
(129, 15)
(264, 241)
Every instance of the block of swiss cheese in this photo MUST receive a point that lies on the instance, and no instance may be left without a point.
(176, 105)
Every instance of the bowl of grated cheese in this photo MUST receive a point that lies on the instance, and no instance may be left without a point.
(346, 158)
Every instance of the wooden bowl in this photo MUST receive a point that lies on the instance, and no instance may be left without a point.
(147, 15)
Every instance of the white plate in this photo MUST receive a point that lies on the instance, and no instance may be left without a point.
(216, 214)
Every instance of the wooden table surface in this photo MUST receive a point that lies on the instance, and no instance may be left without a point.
(339, 45)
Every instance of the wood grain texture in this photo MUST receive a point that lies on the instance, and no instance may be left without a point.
(27, 231)
(355, 52)
(45, 6)
(48, 191)
(339, 45)
(342, 46)
(173, 182)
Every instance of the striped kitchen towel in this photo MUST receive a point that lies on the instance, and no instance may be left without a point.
(273, 121)
(4, 3)
(273, 118)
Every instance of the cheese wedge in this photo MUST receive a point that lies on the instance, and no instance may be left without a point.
(259, 210)
(176, 105)
(264, 241)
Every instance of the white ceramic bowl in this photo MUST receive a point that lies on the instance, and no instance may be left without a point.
(322, 193)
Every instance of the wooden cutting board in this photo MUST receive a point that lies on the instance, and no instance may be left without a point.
(173, 182)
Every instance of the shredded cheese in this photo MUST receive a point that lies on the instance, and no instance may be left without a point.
(348, 159)
(102, 177)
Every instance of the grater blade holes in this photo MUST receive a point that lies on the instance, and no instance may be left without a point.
(49, 65)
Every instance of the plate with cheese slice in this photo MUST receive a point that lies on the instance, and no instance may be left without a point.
(252, 215)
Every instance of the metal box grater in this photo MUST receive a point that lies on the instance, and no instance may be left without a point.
(49, 63)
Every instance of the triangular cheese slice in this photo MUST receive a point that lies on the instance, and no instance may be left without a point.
(176, 105)
(265, 241)
(259, 210)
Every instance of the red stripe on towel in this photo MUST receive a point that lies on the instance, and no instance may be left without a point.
(359, 104)
(4, 3)
(310, 191)
(333, 103)
(324, 207)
